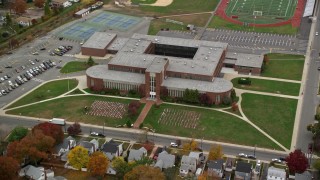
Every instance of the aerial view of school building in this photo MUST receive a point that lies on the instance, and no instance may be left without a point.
(149, 63)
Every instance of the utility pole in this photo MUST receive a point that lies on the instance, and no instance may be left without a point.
(103, 127)
(254, 150)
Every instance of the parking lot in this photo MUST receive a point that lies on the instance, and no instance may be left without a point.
(255, 40)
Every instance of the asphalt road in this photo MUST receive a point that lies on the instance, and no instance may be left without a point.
(8, 123)
(311, 100)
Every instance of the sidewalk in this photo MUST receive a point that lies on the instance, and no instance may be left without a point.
(143, 114)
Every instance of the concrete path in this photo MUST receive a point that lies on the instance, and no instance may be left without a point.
(232, 76)
(143, 114)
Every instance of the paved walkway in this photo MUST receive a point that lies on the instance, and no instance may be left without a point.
(143, 114)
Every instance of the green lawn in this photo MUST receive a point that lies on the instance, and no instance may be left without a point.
(212, 125)
(72, 109)
(76, 91)
(182, 7)
(274, 115)
(284, 66)
(270, 86)
(74, 66)
(143, 1)
(220, 23)
(199, 20)
(46, 91)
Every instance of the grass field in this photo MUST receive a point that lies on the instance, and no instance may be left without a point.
(199, 20)
(143, 1)
(285, 66)
(212, 125)
(72, 109)
(272, 11)
(274, 115)
(220, 23)
(47, 91)
(182, 7)
(74, 66)
(270, 86)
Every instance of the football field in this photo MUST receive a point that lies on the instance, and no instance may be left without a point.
(261, 11)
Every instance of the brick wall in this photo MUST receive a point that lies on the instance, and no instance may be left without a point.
(93, 52)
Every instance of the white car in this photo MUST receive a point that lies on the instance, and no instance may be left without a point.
(243, 155)
(258, 163)
(172, 144)
(317, 33)
(276, 160)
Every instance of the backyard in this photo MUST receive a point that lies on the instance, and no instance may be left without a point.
(278, 87)
(284, 66)
(198, 123)
(73, 109)
(274, 115)
(46, 91)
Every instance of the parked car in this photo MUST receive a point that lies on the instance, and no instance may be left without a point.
(3, 92)
(243, 155)
(1, 79)
(42, 49)
(31, 62)
(97, 134)
(252, 156)
(8, 66)
(276, 160)
(35, 53)
(173, 144)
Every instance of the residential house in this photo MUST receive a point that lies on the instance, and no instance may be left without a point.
(215, 168)
(276, 173)
(165, 160)
(24, 21)
(35, 173)
(67, 144)
(95, 143)
(188, 164)
(88, 145)
(82, 13)
(243, 171)
(229, 165)
(111, 170)
(112, 149)
(304, 176)
(198, 156)
(136, 155)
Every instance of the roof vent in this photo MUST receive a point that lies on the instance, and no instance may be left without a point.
(144, 59)
(185, 63)
(211, 48)
(235, 53)
(206, 58)
(248, 57)
(209, 52)
(131, 50)
(215, 49)
(192, 66)
(156, 39)
(137, 44)
(158, 61)
(139, 40)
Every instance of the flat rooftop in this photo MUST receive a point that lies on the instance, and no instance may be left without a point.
(99, 40)
(246, 60)
(117, 44)
(216, 86)
(102, 72)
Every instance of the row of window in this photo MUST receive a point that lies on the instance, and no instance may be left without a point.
(121, 86)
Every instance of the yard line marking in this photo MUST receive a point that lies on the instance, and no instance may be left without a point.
(287, 8)
(234, 6)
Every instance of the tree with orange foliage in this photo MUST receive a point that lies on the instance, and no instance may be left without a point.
(52, 130)
(98, 164)
(144, 172)
(203, 176)
(9, 167)
(19, 6)
(234, 106)
(34, 146)
(38, 3)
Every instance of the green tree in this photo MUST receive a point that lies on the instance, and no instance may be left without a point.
(9, 167)
(17, 133)
(316, 165)
(8, 20)
(47, 11)
(121, 166)
(90, 61)
(78, 157)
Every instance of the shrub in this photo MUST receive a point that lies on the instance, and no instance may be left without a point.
(317, 116)
(141, 125)
(5, 34)
(245, 81)
(233, 95)
(234, 106)
(128, 123)
(102, 92)
(226, 100)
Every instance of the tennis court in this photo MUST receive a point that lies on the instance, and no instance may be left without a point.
(261, 11)
(82, 30)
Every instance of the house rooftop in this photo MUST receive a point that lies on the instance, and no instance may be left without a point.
(247, 60)
(99, 40)
(218, 164)
(82, 11)
(86, 144)
(165, 160)
(243, 167)
(110, 146)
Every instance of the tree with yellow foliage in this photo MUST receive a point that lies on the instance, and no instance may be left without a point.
(203, 176)
(86, 2)
(78, 157)
(215, 152)
(190, 146)
(98, 164)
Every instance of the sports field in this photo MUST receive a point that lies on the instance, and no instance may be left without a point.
(261, 11)
(83, 29)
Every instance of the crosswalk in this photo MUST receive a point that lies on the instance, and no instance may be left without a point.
(37, 80)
